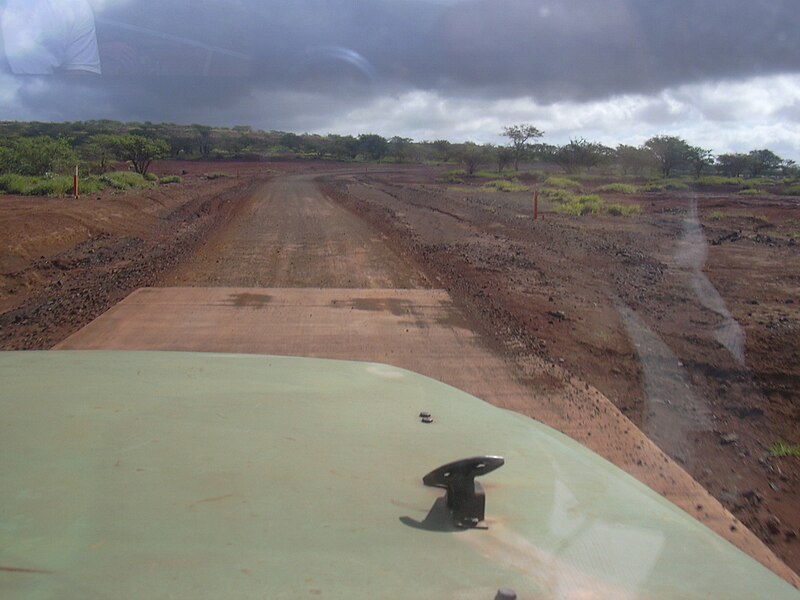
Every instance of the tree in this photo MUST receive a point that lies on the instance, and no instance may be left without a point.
(180, 143)
(399, 147)
(733, 165)
(633, 159)
(443, 149)
(141, 151)
(472, 156)
(205, 143)
(542, 152)
(292, 141)
(580, 154)
(36, 156)
(101, 149)
(343, 147)
(763, 162)
(671, 152)
(503, 155)
(789, 168)
(7, 160)
(698, 159)
(519, 136)
(372, 146)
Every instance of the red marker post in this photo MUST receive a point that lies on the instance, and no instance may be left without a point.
(75, 183)
(535, 205)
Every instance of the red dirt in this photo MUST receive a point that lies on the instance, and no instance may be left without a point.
(63, 263)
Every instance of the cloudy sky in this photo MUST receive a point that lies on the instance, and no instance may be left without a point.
(724, 74)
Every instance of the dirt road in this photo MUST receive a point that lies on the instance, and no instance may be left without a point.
(290, 235)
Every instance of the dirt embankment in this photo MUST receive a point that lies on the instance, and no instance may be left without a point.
(687, 317)
(64, 262)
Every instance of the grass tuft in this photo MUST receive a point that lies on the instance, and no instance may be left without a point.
(780, 449)
(125, 180)
(562, 183)
(582, 205)
(617, 188)
(623, 210)
(57, 185)
(662, 185)
(758, 182)
(502, 185)
(170, 179)
(557, 195)
(714, 180)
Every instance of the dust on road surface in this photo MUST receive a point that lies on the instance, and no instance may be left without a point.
(290, 235)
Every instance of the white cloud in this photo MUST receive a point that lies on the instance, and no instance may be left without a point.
(724, 116)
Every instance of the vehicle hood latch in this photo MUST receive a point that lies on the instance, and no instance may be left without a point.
(466, 499)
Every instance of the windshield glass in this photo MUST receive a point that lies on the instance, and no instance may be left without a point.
(607, 196)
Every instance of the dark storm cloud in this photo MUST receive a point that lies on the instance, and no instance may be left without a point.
(172, 58)
(582, 49)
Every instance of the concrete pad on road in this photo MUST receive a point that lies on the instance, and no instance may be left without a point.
(416, 329)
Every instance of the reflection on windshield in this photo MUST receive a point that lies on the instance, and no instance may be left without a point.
(42, 37)
(441, 122)
(692, 255)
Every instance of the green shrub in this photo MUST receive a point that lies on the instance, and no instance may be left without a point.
(215, 175)
(58, 185)
(582, 205)
(654, 187)
(14, 184)
(617, 188)
(780, 449)
(663, 185)
(751, 192)
(170, 179)
(715, 180)
(533, 176)
(51, 186)
(123, 180)
(675, 185)
(623, 210)
(557, 195)
(758, 182)
(717, 215)
(91, 185)
(151, 177)
(793, 191)
(36, 156)
(506, 186)
(563, 183)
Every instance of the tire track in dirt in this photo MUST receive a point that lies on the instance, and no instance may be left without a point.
(291, 235)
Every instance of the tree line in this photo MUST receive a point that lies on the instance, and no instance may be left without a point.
(37, 149)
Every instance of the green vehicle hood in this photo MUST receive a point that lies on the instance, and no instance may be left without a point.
(181, 475)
